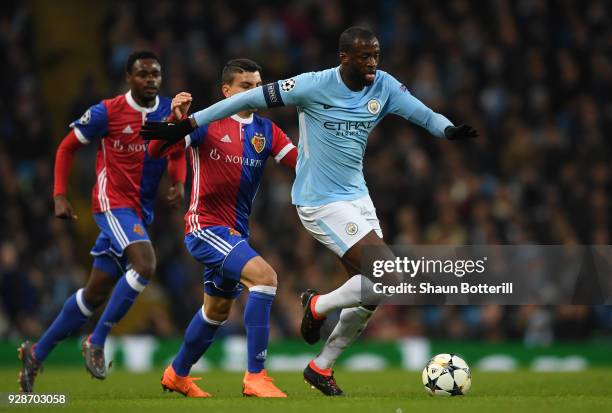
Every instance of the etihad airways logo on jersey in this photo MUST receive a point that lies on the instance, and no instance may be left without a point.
(235, 159)
(347, 125)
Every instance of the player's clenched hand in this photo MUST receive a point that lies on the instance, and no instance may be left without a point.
(180, 104)
(166, 131)
(63, 208)
(171, 132)
(176, 195)
(454, 133)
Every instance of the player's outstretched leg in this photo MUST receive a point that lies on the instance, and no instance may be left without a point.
(317, 307)
(142, 260)
(356, 291)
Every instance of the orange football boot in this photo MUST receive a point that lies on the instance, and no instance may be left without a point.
(185, 385)
(260, 385)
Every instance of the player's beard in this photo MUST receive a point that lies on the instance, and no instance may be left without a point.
(359, 77)
(149, 94)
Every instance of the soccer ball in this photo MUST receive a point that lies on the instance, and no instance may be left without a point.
(447, 375)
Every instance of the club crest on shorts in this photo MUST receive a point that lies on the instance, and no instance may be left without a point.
(138, 229)
(259, 142)
(373, 106)
(351, 228)
(232, 231)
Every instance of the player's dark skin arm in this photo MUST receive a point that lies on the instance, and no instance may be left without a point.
(176, 194)
(63, 207)
(100, 283)
(358, 69)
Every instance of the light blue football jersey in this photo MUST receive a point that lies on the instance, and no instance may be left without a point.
(334, 124)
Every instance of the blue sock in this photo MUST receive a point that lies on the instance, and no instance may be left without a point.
(257, 324)
(199, 336)
(124, 294)
(74, 314)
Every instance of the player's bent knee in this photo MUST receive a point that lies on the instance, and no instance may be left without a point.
(270, 279)
(217, 314)
(145, 269)
(259, 272)
(267, 277)
(95, 297)
(216, 309)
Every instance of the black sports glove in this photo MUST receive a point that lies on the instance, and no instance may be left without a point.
(171, 132)
(455, 133)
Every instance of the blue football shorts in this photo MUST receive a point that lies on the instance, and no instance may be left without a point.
(224, 252)
(119, 228)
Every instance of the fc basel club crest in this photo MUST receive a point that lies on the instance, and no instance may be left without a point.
(139, 229)
(259, 142)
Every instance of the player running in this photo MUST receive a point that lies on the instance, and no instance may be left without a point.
(337, 110)
(228, 158)
(122, 203)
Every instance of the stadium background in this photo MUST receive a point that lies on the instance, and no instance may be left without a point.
(532, 76)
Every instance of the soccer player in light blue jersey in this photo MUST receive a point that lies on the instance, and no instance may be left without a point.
(337, 110)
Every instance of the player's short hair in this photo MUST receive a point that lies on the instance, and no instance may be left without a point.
(141, 54)
(348, 37)
(235, 66)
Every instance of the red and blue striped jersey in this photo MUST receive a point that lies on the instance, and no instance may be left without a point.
(227, 159)
(127, 177)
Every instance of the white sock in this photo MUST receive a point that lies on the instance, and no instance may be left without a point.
(352, 322)
(346, 296)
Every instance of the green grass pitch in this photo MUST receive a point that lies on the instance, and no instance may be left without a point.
(391, 391)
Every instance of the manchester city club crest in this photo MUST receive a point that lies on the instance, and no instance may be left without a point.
(259, 142)
(373, 106)
(351, 228)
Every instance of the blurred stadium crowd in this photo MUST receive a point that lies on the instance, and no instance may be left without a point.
(533, 76)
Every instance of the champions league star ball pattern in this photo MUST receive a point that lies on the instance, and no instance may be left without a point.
(447, 375)
(288, 84)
